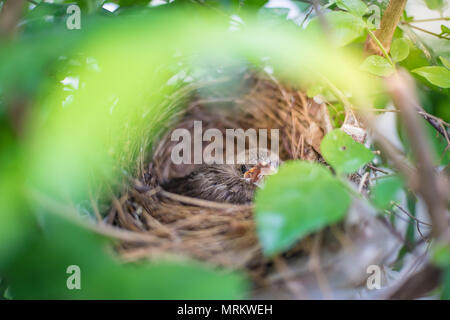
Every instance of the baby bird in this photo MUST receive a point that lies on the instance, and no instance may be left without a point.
(233, 183)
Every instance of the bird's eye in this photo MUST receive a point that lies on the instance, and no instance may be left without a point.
(243, 168)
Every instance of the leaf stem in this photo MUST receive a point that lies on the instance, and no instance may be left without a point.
(431, 19)
(382, 48)
(426, 31)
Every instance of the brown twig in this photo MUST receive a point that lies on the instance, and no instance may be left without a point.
(377, 169)
(315, 266)
(10, 16)
(293, 285)
(430, 186)
(72, 215)
(436, 123)
(410, 215)
(418, 284)
(201, 202)
(402, 91)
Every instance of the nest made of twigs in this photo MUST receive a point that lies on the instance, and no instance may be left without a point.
(220, 234)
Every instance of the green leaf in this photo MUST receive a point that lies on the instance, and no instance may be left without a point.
(90, 5)
(440, 254)
(356, 7)
(337, 114)
(343, 153)
(439, 76)
(273, 15)
(124, 3)
(254, 4)
(399, 50)
(385, 191)
(302, 6)
(445, 29)
(446, 285)
(346, 27)
(445, 62)
(377, 65)
(44, 261)
(300, 199)
(435, 4)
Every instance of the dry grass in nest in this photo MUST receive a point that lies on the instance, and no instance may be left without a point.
(221, 234)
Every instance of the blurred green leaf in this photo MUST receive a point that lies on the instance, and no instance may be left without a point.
(337, 114)
(446, 285)
(356, 7)
(86, 5)
(44, 9)
(440, 254)
(439, 76)
(343, 153)
(345, 27)
(380, 101)
(445, 62)
(385, 191)
(300, 199)
(273, 16)
(377, 65)
(435, 4)
(416, 58)
(254, 4)
(302, 6)
(15, 222)
(43, 264)
(132, 2)
(399, 50)
(445, 29)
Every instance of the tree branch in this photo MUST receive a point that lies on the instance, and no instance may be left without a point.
(9, 17)
(430, 186)
(417, 285)
(389, 22)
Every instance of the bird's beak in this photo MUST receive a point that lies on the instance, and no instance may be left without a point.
(257, 174)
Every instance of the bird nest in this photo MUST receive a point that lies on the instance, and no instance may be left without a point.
(224, 234)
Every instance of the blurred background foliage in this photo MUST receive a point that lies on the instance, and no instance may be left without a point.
(81, 105)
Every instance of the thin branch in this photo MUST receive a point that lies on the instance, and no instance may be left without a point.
(307, 16)
(71, 214)
(363, 182)
(431, 19)
(377, 169)
(381, 47)
(409, 214)
(435, 122)
(201, 202)
(426, 31)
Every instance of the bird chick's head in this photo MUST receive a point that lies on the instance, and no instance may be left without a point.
(256, 173)
(257, 165)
